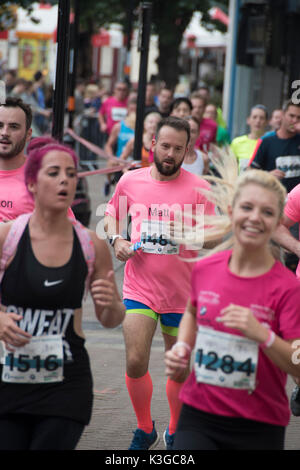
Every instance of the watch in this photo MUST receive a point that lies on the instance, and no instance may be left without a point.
(113, 238)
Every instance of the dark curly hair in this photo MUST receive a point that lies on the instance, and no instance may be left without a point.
(12, 102)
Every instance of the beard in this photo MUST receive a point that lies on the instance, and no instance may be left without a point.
(15, 149)
(169, 171)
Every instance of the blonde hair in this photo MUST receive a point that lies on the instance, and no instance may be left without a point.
(224, 192)
(91, 91)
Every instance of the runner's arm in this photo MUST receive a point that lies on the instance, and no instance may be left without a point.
(109, 308)
(128, 150)
(102, 123)
(280, 351)
(112, 139)
(177, 358)
(122, 247)
(188, 326)
(284, 237)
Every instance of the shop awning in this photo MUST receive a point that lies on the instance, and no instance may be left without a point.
(112, 37)
(41, 24)
(196, 35)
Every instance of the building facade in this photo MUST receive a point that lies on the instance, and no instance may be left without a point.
(263, 63)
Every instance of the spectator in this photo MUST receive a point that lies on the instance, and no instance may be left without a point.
(150, 105)
(19, 88)
(38, 92)
(28, 97)
(79, 96)
(92, 100)
(10, 78)
(49, 95)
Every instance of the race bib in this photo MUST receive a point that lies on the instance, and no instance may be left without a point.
(154, 238)
(40, 361)
(290, 165)
(225, 360)
(118, 114)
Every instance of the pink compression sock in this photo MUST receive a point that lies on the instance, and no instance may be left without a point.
(140, 392)
(172, 390)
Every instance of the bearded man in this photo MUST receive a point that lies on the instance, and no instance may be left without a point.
(157, 279)
(15, 132)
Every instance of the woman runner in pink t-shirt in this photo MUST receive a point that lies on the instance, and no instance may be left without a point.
(243, 319)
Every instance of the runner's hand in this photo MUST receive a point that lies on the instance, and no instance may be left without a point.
(10, 333)
(241, 318)
(278, 173)
(176, 360)
(123, 249)
(103, 291)
(103, 127)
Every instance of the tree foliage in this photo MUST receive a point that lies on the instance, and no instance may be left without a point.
(169, 21)
(170, 18)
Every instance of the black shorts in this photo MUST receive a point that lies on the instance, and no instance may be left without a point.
(198, 430)
(34, 432)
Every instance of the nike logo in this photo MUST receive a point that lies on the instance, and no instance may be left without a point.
(52, 283)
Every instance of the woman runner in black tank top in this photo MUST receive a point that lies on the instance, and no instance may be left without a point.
(45, 377)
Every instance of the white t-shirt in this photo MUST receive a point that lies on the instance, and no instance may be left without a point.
(197, 166)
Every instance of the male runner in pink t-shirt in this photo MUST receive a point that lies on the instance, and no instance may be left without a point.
(291, 217)
(285, 238)
(15, 132)
(156, 282)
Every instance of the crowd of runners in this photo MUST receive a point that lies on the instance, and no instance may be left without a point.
(204, 226)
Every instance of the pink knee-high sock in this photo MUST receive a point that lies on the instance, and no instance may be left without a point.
(172, 390)
(140, 392)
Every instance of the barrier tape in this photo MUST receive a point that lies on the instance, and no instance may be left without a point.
(103, 171)
(94, 148)
(121, 163)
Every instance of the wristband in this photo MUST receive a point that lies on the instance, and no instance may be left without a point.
(185, 345)
(136, 246)
(113, 238)
(269, 341)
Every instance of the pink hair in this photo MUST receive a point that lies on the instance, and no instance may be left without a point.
(38, 142)
(36, 155)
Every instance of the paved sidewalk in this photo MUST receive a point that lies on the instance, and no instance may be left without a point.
(113, 419)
